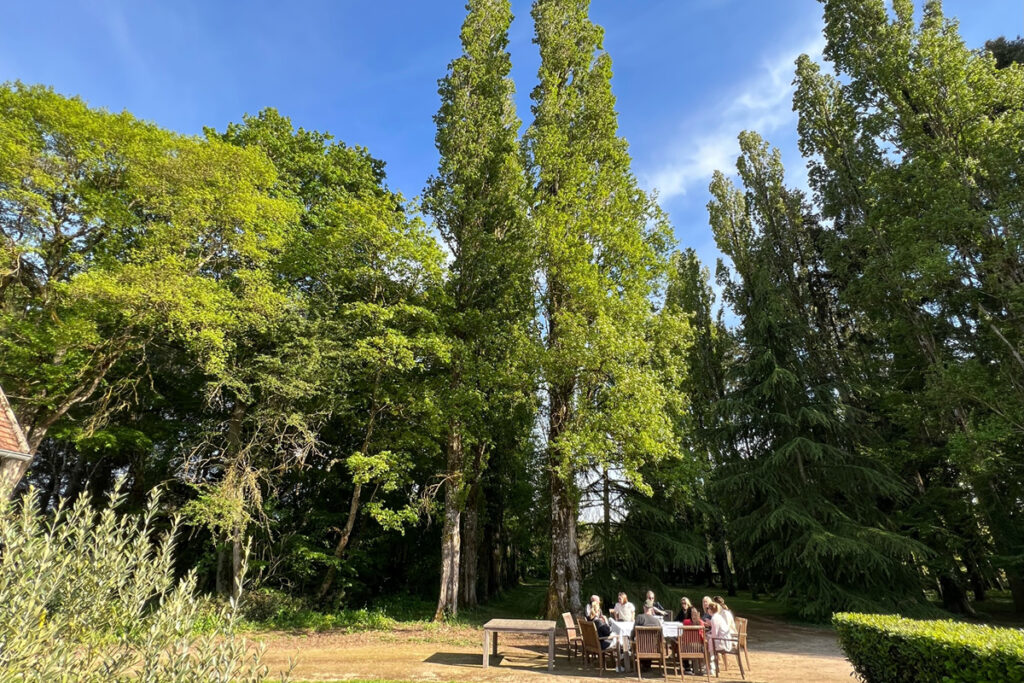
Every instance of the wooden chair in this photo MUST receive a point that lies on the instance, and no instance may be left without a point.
(720, 656)
(692, 646)
(573, 642)
(649, 646)
(592, 646)
(741, 626)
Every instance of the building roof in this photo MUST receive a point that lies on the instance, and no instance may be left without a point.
(12, 439)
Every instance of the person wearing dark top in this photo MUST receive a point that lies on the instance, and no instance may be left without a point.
(648, 618)
(705, 611)
(688, 614)
(659, 611)
(596, 615)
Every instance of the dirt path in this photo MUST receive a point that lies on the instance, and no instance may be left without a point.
(779, 652)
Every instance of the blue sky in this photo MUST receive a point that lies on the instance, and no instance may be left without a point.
(689, 74)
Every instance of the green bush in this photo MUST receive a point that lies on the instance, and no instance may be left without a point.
(886, 649)
(89, 596)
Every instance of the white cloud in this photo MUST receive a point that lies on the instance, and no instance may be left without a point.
(762, 104)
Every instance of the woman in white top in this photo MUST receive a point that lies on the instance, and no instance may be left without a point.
(727, 613)
(721, 635)
(624, 609)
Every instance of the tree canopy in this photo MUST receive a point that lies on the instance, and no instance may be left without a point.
(519, 374)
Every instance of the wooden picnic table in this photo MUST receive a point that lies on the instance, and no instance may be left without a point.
(495, 626)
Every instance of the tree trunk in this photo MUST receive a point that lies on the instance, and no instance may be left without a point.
(730, 586)
(237, 557)
(954, 597)
(448, 598)
(606, 514)
(1017, 592)
(977, 578)
(339, 549)
(222, 570)
(564, 583)
(469, 561)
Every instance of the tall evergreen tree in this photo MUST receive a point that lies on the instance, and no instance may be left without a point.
(477, 200)
(804, 497)
(602, 249)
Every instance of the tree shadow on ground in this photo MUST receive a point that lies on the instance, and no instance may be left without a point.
(502, 662)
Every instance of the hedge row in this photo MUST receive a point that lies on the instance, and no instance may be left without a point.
(886, 649)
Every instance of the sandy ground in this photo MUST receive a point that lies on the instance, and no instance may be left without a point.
(778, 652)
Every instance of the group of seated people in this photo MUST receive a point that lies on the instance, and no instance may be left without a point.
(714, 615)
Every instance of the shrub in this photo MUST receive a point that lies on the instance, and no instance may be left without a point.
(89, 596)
(270, 605)
(891, 648)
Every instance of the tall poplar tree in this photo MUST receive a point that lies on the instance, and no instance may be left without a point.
(477, 200)
(602, 251)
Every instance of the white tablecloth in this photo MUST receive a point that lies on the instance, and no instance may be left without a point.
(670, 629)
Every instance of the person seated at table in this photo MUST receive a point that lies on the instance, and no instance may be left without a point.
(648, 618)
(595, 606)
(604, 631)
(688, 614)
(659, 611)
(705, 610)
(624, 610)
(721, 635)
(726, 612)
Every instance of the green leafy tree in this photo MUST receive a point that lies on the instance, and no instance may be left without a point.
(348, 374)
(602, 245)
(115, 234)
(702, 428)
(1005, 51)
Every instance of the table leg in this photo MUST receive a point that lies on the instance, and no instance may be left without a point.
(494, 645)
(551, 651)
(486, 658)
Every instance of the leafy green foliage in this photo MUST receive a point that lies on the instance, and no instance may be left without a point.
(117, 234)
(908, 157)
(891, 648)
(89, 596)
(478, 202)
(602, 248)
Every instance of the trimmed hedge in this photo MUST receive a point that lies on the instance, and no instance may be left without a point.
(886, 649)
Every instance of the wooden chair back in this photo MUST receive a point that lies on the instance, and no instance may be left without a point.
(591, 643)
(692, 645)
(741, 628)
(570, 625)
(648, 642)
